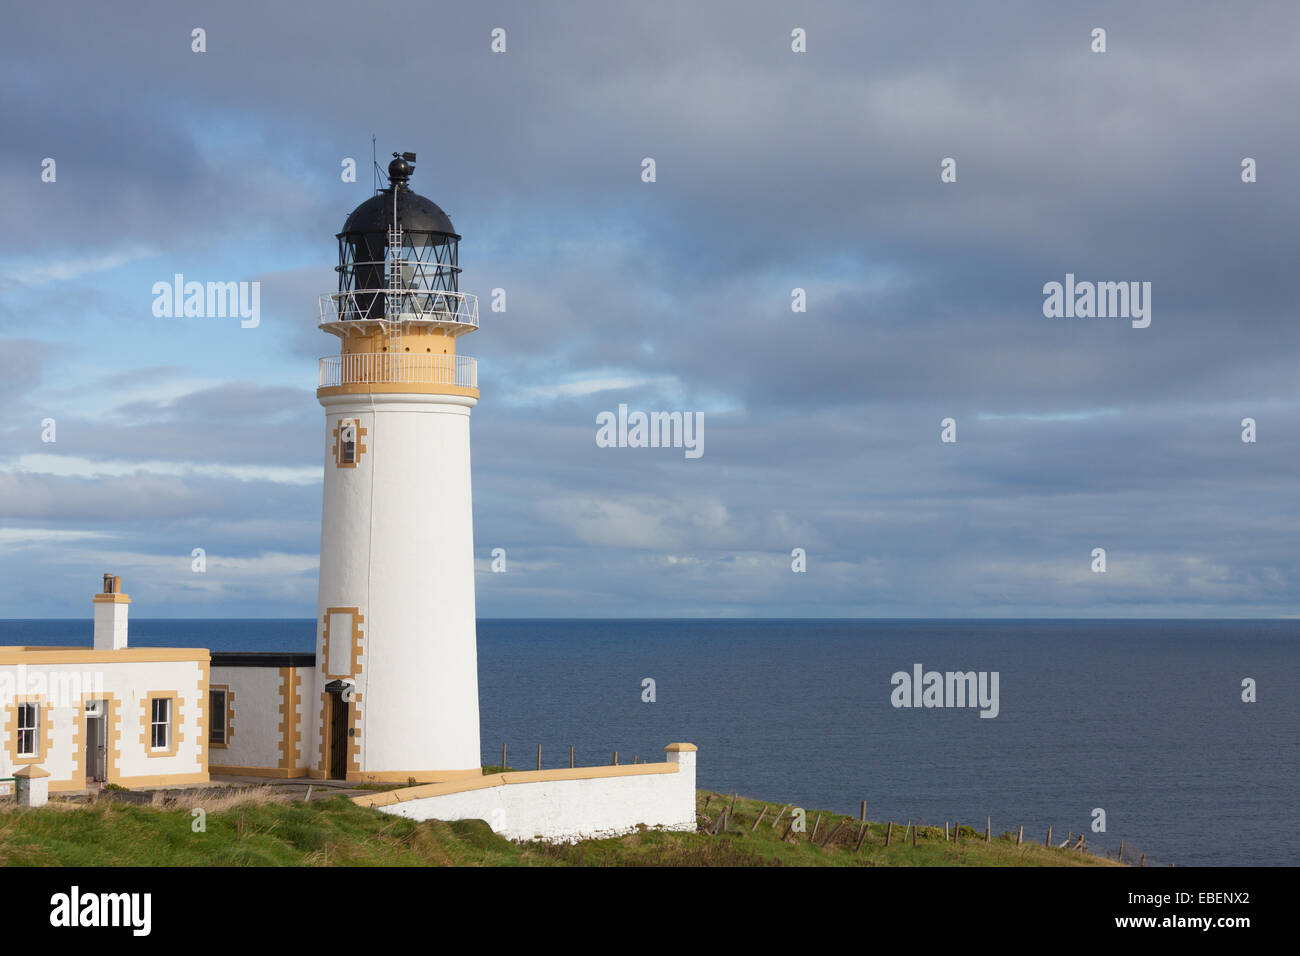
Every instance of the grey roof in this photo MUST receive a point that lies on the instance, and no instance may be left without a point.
(262, 659)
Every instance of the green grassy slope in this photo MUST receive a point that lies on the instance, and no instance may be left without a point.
(335, 832)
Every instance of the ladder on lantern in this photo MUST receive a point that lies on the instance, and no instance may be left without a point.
(395, 300)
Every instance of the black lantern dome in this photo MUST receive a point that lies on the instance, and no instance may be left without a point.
(414, 212)
(398, 246)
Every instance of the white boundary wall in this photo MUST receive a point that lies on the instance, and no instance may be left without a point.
(543, 805)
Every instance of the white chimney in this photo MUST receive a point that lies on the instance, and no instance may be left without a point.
(110, 616)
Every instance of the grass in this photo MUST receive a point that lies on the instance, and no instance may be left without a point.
(215, 801)
(774, 845)
(259, 827)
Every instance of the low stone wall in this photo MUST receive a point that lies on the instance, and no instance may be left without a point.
(580, 803)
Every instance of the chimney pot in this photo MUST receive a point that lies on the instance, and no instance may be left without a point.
(110, 615)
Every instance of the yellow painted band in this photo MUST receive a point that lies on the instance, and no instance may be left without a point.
(162, 780)
(508, 779)
(283, 773)
(378, 388)
(88, 655)
(420, 776)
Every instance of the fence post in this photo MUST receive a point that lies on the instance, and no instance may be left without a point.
(830, 838)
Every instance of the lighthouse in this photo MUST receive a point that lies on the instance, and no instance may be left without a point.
(396, 663)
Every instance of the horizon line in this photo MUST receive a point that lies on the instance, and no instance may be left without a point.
(702, 618)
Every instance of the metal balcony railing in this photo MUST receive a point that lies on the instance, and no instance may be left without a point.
(398, 368)
(410, 305)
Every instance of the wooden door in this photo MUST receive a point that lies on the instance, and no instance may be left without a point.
(338, 731)
(96, 748)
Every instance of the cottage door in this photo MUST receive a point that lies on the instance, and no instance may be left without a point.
(96, 744)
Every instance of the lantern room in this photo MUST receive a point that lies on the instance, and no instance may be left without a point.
(398, 308)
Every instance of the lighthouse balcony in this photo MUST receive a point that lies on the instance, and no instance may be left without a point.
(400, 368)
(343, 312)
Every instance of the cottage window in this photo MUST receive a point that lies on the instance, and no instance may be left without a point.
(29, 723)
(160, 732)
(217, 700)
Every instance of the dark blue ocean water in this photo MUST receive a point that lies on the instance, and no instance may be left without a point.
(1141, 718)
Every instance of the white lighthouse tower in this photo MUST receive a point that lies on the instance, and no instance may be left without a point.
(397, 672)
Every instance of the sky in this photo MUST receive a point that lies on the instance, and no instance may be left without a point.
(775, 170)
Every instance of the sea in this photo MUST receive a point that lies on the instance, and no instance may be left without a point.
(1137, 726)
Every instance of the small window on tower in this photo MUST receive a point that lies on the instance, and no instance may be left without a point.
(348, 444)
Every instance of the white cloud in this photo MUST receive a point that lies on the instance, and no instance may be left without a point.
(1082, 415)
(35, 535)
(72, 466)
(168, 577)
(590, 386)
(48, 269)
(639, 521)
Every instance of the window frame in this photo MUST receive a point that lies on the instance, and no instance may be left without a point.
(42, 717)
(175, 722)
(220, 716)
(357, 447)
(155, 723)
(348, 449)
(32, 732)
